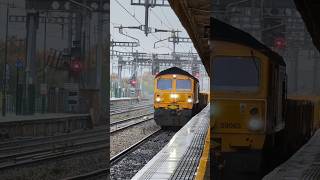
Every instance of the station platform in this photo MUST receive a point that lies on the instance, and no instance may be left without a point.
(304, 164)
(28, 126)
(12, 126)
(184, 154)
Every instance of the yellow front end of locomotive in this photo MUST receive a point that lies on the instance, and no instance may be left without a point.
(169, 96)
(238, 108)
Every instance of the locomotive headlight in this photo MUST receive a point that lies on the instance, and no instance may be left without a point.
(175, 96)
(255, 124)
(158, 99)
(189, 100)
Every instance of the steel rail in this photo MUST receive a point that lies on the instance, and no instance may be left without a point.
(126, 127)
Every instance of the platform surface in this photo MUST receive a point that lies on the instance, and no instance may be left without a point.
(179, 159)
(303, 165)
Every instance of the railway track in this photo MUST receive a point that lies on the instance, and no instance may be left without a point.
(126, 110)
(123, 153)
(125, 123)
(113, 160)
(63, 146)
(121, 108)
(39, 152)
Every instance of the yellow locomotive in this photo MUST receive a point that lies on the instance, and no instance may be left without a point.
(176, 97)
(254, 125)
(248, 93)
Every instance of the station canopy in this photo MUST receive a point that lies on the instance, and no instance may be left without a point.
(310, 14)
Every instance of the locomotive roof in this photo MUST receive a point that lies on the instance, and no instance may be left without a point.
(226, 32)
(176, 70)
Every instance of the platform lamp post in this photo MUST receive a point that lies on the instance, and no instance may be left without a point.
(19, 67)
(5, 74)
(44, 85)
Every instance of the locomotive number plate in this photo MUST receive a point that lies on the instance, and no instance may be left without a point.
(228, 125)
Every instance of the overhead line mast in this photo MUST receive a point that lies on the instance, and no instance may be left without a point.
(147, 4)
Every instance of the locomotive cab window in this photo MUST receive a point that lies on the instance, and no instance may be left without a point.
(236, 73)
(183, 84)
(164, 84)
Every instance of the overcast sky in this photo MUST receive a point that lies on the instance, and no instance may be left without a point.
(159, 17)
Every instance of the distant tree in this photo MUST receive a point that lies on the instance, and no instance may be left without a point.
(147, 83)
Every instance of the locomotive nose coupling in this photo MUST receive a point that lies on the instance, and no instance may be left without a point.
(175, 112)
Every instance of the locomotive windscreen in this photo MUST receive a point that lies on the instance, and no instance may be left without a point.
(164, 84)
(236, 73)
(183, 84)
